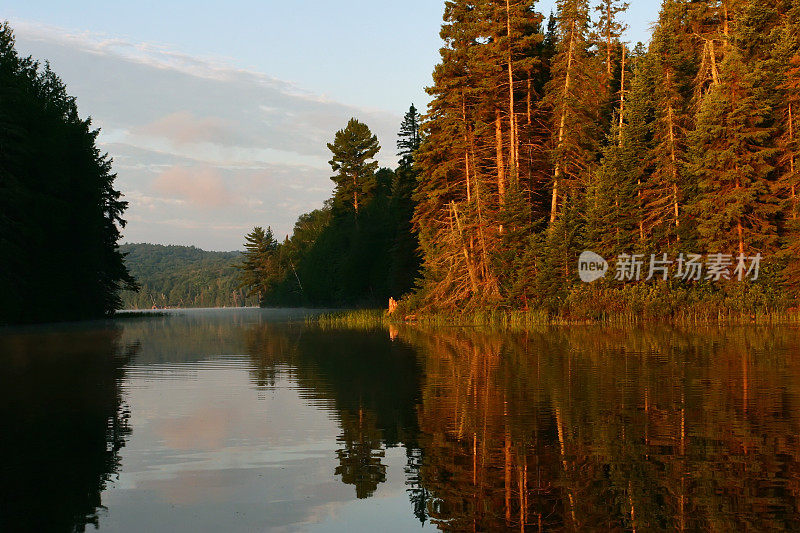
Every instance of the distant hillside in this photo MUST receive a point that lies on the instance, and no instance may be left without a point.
(182, 276)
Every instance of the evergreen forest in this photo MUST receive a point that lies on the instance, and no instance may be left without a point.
(60, 214)
(549, 136)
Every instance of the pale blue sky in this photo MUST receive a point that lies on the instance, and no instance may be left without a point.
(217, 114)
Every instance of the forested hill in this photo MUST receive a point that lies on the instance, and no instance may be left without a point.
(182, 276)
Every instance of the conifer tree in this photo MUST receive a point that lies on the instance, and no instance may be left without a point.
(354, 149)
(259, 269)
(615, 210)
(670, 70)
(608, 32)
(450, 193)
(572, 99)
(515, 28)
(405, 261)
(612, 53)
(408, 138)
(789, 144)
(706, 24)
(60, 214)
(556, 251)
(479, 120)
(732, 160)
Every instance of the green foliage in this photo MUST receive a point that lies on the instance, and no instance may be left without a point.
(732, 156)
(689, 145)
(347, 263)
(408, 138)
(540, 143)
(60, 215)
(358, 250)
(183, 276)
(260, 267)
(354, 149)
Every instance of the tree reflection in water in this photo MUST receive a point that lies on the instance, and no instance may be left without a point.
(558, 429)
(371, 384)
(581, 428)
(63, 425)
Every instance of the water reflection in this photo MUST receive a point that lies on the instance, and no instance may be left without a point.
(241, 421)
(371, 384)
(568, 428)
(63, 425)
(602, 429)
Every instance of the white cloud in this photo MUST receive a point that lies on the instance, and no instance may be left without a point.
(199, 140)
(200, 186)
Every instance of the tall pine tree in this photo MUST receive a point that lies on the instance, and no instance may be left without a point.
(572, 98)
(732, 160)
(354, 149)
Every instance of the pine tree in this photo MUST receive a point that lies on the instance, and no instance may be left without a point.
(479, 124)
(259, 269)
(556, 252)
(60, 215)
(572, 98)
(707, 23)
(510, 56)
(405, 261)
(354, 149)
(732, 160)
(516, 219)
(670, 74)
(408, 138)
(615, 214)
(450, 192)
(607, 34)
(789, 145)
(789, 142)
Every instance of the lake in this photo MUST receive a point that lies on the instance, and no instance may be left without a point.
(251, 420)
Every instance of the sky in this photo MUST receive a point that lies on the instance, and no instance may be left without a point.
(217, 115)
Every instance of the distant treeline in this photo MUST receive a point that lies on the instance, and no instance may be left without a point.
(60, 215)
(545, 140)
(182, 276)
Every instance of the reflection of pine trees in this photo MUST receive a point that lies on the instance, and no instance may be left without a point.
(370, 382)
(577, 429)
(599, 429)
(64, 423)
(345, 371)
(417, 492)
(361, 453)
(270, 348)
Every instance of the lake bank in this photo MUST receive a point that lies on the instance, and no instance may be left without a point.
(521, 320)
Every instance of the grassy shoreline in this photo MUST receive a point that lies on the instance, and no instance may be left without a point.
(521, 320)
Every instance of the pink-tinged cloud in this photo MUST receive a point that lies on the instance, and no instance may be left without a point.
(200, 186)
(183, 128)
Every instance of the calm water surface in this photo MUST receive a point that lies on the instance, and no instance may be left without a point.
(250, 420)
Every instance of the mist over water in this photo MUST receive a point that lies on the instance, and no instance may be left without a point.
(251, 419)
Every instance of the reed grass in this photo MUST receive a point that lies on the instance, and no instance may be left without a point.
(521, 320)
(353, 319)
(137, 314)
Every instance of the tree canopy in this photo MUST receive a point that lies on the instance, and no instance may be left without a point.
(60, 213)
